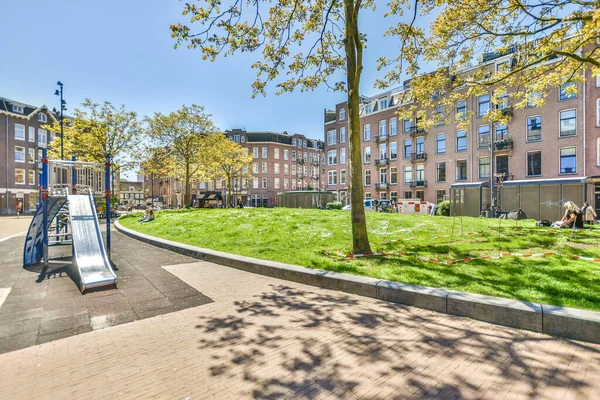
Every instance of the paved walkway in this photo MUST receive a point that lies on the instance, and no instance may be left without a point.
(43, 305)
(270, 339)
(10, 226)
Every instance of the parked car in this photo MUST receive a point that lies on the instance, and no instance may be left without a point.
(369, 206)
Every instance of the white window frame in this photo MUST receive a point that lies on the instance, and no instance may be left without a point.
(17, 109)
(366, 132)
(264, 168)
(598, 152)
(342, 114)
(31, 174)
(21, 152)
(343, 135)
(332, 157)
(255, 152)
(541, 123)
(24, 173)
(276, 168)
(21, 129)
(559, 125)
(265, 183)
(383, 128)
(42, 117)
(276, 183)
(265, 152)
(394, 131)
(332, 137)
(343, 156)
(42, 137)
(31, 155)
(343, 175)
(332, 177)
(31, 134)
(368, 172)
(276, 153)
(286, 154)
(367, 151)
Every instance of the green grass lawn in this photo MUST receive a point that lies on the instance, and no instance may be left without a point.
(312, 238)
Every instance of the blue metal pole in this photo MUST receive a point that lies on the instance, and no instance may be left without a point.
(73, 176)
(45, 202)
(107, 194)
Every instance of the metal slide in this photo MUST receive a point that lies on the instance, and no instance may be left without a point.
(88, 247)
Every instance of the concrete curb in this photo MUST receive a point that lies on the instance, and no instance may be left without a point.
(553, 320)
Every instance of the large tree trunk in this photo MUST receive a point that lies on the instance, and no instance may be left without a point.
(353, 45)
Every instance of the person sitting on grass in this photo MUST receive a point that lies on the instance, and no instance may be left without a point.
(573, 217)
(148, 216)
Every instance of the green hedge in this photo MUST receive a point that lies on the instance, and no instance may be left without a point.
(443, 208)
(334, 205)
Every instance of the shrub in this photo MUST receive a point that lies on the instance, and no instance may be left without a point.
(443, 208)
(334, 205)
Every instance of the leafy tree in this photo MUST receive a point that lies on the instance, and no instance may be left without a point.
(550, 43)
(181, 134)
(230, 161)
(309, 40)
(156, 162)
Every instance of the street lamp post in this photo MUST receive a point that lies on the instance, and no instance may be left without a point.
(63, 108)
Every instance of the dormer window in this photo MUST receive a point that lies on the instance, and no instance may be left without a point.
(368, 109)
(17, 109)
(42, 117)
(383, 103)
(342, 114)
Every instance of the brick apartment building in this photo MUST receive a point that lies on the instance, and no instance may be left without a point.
(21, 142)
(282, 162)
(402, 160)
(132, 192)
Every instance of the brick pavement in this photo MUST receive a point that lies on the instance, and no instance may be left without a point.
(270, 339)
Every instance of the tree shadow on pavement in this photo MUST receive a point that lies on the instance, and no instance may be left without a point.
(304, 344)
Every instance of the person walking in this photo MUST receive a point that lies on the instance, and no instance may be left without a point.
(589, 214)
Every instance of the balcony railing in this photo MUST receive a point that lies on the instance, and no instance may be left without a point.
(416, 157)
(415, 131)
(381, 138)
(382, 162)
(507, 111)
(418, 184)
(501, 145)
(381, 186)
(499, 178)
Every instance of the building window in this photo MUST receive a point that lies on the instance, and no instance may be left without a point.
(461, 170)
(342, 177)
(332, 157)
(305, 157)
(367, 178)
(598, 81)
(31, 134)
(393, 150)
(293, 184)
(304, 143)
(264, 168)
(331, 137)
(367, 132)
(19, 154)
(255, 152)
(440, 195)
(31, 174)
(534, 128)
(286, 169)
(502, 101)
(394, 196)
(31, 155)
(483, 137)
(597, 112)
(461, 110)
(368, 196)
(420, 145)
(342, 156)
(383, 196)
(440, 116)
(440, 175)
(382, 128)
(567, 91)
(568, 160)
(276, 153)
(568, 123)
(408, 174)
(501, 132)
(332, 177)
(393, 126)
(407, 125)
(408, 195)
(293, 169)
(276, 183)
(502, 165)
(276, 168)
(19, 176)
(243, 139)
(534, 163)
(407, 148)
(420, 194)
(264, 152)
(598, 152)
(393, 175)
(19, 132)
(286, 184)
(440, 143)
(264, 183)
(17, 109)
(533, 99)
(294, 142)
(383, 175)
(286, 154)
(420, 173)
(461, 141)
(367, 159)
(236, 138)
(342, 114)
(293, 155)
(255, 168)
(382, 151)
(342, 135)
(483, 105)
(383, 103)
(484, 168)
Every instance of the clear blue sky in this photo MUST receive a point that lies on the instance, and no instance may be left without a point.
(121, 51)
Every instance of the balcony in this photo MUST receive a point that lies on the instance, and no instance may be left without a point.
(507, 111)
(418, 157)
(502, 145)
(314, 162)
(381, 186)
(418, 184)
(499, 178)
(381, 138)
(416, 131)
(382, 162)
